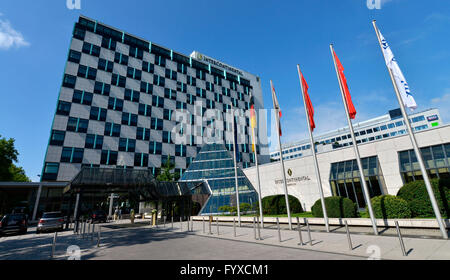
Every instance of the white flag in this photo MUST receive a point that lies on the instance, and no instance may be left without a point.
(402, 85)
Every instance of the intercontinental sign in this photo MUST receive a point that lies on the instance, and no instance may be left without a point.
(211, 61)
(293, 181)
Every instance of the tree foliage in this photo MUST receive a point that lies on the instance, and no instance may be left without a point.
(8, 156)
(166, 174)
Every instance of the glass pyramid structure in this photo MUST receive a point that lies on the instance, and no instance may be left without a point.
(214, 167)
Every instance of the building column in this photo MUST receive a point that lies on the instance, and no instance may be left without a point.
(111, 202)
(36, 204)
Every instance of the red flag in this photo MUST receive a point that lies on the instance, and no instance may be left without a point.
(309, 105)
(348, 98)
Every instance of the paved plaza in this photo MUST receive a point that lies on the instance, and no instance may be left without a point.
(121, 241)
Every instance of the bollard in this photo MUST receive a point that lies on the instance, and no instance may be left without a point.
(279, 232)
(93, 232)
(254, 227)
(84, 229)
(299, 228)
(192, 224)
(187, 224)
(309, 232)
(210, 225)
(181, 224)
(400, 238)
(234, 226)
(217, 222)
(164, 221)
(350, 246)
(257, 226)
(99, 236)
(53, 245)
(172, 222)
(203, 224)
(88, 229)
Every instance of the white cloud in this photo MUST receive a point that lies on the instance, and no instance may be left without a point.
(443, 104)
(9, 37)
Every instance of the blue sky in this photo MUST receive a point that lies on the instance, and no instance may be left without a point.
(267, 38)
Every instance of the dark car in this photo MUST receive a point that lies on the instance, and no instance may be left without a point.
(14, 223)
(99, 216)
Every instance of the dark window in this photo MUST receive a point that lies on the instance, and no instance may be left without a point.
(98, 114)
(129, 119)
(181, 87)
(115, 104)
(69, 81)
(134, 73)
(127, 145)
(156, 124)
(143, 134)
(157, 101)
(180, 150)
(57, 138)
(50, 171)
(136, 52)
(146, 87)
(141, 160)
(145, 110)
(182, 68)
(181, 105)
(159, 81)
(148, 67)
(79, 33)
(191, 81)
(102, 88)
(94, 142)
(105, 65)
(109, 43)
(118, 80)
(131, 95)
(167, 137)
(91, 49)
(63, 108)
(74, 56)
(72, 155)
(155, 148)
(170, 94)
(159, 60)
(109, 157)
(112, 129)
(168, 114)
(170, 74)
(82, 97)
(121, 58)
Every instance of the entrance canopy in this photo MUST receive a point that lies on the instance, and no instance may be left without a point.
(117, 180)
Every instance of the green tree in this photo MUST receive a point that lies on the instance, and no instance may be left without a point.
(166, 174)
(8, 155)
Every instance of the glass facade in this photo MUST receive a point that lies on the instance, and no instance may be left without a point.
(345, 179)
(436, 159)
(214, 165)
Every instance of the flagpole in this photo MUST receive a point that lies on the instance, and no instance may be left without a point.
(415, 145)
(235, 169)
(257, 176)
(355, 146)
(313, 149)
(277, 114)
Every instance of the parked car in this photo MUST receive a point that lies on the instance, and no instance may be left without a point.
(50, 221)
(14, 223)
(99, 216)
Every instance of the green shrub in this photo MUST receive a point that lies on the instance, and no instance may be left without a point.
(224, 208)
(245, 207)
(416, 195)
(276, 205)
(337, 207)
(390, 207)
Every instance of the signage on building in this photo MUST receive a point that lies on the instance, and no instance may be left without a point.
(433, 118)
(293, 181)
(211, 61)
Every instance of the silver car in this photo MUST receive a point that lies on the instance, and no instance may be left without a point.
(50, 221)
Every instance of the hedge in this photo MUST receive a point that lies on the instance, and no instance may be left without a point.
(416, 195)
(390, 207)
(276, 205)
(337, 207)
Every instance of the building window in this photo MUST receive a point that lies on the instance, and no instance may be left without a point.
(105, 65)
(143, 133)
(182, 68)
(156, 124)
(72, 155)
(141, 160)
(180, 150)
(98, 114)
(102, 88)
(77, 125)
(160, 61)
(136, 53)
(115, 104)
(155, 148)
(118, 81)
(121, 58)
(167, 137)
(50, 171)
(109, 157)
(82, 97)
(132, 95)
(57, 138)
(134, 73)
(63, 108)
(159, 81)
(146, 87)
(112, 129)
(69, 81)
(145, 110)
(74, 56)
(345, 179)
(157, 101)
(436, 160)
(129, 119)
(148, 67)
(167, 114)
(91, 49)
(127, 145)
(94, 142)
(170, 94)
(109, 43)
(181, 87)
